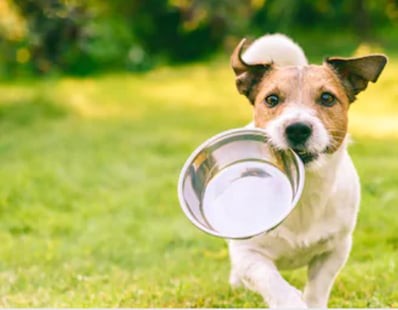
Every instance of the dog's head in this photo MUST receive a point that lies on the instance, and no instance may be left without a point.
(305, 107)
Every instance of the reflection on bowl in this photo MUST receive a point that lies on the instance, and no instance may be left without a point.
(235, 186)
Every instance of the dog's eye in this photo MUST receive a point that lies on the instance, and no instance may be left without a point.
(272, 101)
(327, 99)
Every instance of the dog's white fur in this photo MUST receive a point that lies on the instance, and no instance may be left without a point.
(318, 233)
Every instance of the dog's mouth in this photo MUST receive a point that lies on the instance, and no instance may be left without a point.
(305, 156)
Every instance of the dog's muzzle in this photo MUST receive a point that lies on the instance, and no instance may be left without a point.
(297, 135)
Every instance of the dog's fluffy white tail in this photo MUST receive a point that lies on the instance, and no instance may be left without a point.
(276, 48)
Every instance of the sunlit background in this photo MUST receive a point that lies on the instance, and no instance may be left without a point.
(101, 102)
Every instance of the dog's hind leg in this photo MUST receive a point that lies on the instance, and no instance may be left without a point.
(260, 275)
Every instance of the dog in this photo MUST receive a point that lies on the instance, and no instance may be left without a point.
(303, 107)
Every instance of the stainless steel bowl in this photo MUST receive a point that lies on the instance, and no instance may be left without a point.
(235, 186)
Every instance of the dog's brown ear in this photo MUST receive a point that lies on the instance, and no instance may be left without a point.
(247, 75)
(355, 73)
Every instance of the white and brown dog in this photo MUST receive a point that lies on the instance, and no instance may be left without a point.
(303, 107)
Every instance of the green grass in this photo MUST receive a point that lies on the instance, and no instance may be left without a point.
(89, 215)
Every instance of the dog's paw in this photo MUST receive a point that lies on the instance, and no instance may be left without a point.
(290, 304)
(291, 300)
(316, 301)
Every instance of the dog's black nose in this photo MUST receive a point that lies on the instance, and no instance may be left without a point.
(298, 133)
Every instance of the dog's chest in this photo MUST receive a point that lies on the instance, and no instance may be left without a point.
(294, 245)
(311, 229)
(298, 256)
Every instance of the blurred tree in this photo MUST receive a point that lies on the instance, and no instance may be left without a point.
(54, 27)
(356, 16)
(361, 19)
(84, 36)
(182, 30)
(13, 30)
(75, 37)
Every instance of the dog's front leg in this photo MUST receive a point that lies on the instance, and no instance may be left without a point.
(260, 274)
(322, 272)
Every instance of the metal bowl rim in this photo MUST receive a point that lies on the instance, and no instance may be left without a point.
(212, 140)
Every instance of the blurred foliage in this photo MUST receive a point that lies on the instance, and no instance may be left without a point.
(81, 37)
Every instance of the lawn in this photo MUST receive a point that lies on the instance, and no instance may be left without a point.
(88, 204)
